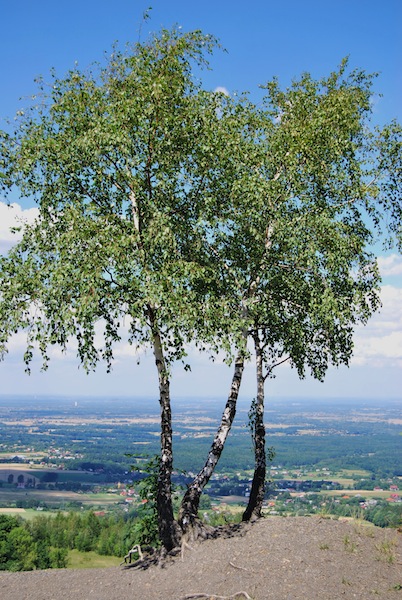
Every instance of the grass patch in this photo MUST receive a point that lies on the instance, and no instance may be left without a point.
(386, 551)
(12, 511)
(355, 473)
(345, 482)
(90, 560)
(350, 545)
(364, 528)
(28, 514)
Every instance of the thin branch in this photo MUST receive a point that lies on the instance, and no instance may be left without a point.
(269, 371)
(113, 280)
(340, 204)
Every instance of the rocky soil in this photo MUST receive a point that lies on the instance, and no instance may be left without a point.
(302, 558)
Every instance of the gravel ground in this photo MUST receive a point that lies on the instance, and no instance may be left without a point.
(302, 558)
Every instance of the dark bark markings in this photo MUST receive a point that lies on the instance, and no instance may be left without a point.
(191, 500)
(168, 529)
(257, 493)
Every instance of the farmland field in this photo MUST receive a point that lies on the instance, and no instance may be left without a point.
(68, 452)
(57, 497)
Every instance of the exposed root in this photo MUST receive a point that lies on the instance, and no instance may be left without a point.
(196, 529)
(231, 530)
(134, 550)
(214, 597)
(162, 557)
(193, 532)
(148, 556)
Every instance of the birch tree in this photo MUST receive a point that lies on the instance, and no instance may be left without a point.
(315, 185)
(120, 161)
(331, 194)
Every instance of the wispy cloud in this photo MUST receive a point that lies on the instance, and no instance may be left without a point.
(379, 343)
(390, 265)
(13, 215)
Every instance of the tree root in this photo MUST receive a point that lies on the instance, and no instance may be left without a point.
(195, 531)
(214, 597)
(134, 550)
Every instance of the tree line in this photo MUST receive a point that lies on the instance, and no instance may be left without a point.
(44, 542)
(170, 215)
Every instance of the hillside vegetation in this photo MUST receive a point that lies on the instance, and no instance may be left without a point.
(297, 558)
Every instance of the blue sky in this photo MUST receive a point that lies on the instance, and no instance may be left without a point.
(262, 39)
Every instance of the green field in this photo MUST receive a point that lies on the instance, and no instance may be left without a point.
(355, 473)
(90, 560)
(352, 493)
(10, 497)
(26, 513)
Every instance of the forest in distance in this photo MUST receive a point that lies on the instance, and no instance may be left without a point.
(348, 433)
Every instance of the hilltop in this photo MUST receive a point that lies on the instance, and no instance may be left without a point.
(274, 559)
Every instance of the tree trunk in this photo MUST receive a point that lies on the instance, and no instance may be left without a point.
(190, 503)
(257, 494)
(168, 528)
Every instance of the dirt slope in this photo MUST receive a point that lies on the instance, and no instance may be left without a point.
(303, 558)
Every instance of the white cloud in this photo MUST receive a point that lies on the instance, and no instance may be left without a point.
(379, 343)
(13, 215)
(221, 90)
(390, 265)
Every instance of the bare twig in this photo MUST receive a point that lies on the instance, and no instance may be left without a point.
(214, 597)
(237, 567)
